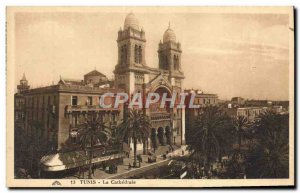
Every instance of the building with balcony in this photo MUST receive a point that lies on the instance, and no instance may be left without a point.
(252, 113)
(58, 109)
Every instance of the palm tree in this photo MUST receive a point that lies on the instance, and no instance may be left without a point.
(270, 157)
(209, 135)
(93, 132)
(240, 125)
(136, 126)
(36, 146)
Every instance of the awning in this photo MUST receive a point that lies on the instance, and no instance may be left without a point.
(68, 160)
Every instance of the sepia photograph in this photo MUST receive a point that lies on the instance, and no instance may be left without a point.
(150, 96)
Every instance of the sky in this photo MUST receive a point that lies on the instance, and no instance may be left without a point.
(241, 54)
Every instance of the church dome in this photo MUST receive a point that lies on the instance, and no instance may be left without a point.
(131, 21)
(169, 35)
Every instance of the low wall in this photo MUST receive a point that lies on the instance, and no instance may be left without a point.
(141, 170)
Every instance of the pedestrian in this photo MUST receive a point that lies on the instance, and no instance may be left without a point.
(139, 160)
(39, 172)
(129, 166)
(112, 169)
(79, 172)
(93, 170)
(109, 169)
(116, 169)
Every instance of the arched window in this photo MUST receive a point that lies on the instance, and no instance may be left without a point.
(121, 55)
(166, 63)
(136, 54)
(140, 55)
(125, 54)
(175, 62)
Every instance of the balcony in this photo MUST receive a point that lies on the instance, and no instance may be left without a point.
(88, 108)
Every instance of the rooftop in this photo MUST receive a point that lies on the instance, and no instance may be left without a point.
(72, 89)
(94, 73)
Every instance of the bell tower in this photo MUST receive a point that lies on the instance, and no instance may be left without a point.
(130, 68)
(23, 86)
(169, 55)
(131, 43)
(169, 52)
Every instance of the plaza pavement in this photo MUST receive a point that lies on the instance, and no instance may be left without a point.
(124, 171)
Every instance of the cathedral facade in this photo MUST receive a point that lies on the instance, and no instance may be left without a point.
(133, 75)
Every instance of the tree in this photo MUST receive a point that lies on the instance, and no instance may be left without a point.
(93, 132)
(235, 166)
(240, 125)
(269, 158)
(36, 147)
(20, 144)
(210, 136)
(136, 126)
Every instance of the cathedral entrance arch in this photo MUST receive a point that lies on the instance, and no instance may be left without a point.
(155, 108)
(161, 116)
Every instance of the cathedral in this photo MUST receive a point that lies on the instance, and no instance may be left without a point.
(134, 76)
(59, 110)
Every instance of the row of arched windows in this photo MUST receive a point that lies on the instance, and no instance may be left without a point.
(139, 79)
(163, 63)
(138, 54)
